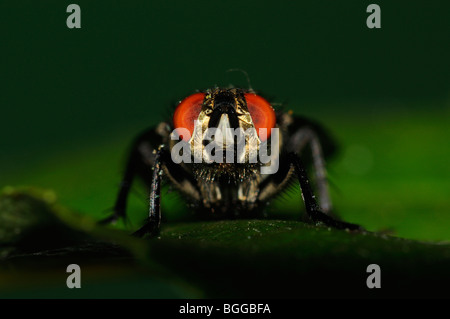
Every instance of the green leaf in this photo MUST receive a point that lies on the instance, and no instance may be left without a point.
(230, 258)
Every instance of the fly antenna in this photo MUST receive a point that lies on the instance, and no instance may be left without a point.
(246, 76)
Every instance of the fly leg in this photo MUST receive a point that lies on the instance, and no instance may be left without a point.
(153, 221)
(140, 162)
(312, 208)
(299, 140)
(119, 210)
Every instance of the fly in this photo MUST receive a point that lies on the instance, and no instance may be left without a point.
(212, 151)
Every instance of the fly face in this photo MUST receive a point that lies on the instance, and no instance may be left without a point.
(225, 129)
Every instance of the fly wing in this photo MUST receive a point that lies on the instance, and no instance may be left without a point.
(327, 141)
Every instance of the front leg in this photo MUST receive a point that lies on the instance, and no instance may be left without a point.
(304, 133)
(153, 221)
(140, 160)
(312, 208)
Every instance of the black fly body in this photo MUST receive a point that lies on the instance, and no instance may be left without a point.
(225, 187)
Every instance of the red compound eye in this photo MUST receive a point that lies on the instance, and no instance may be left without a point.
(262, 113)
(187, 112)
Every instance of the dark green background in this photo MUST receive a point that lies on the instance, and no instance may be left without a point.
(131, 60)
(72, 99)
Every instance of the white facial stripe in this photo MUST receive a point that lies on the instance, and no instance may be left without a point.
(224, 128)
